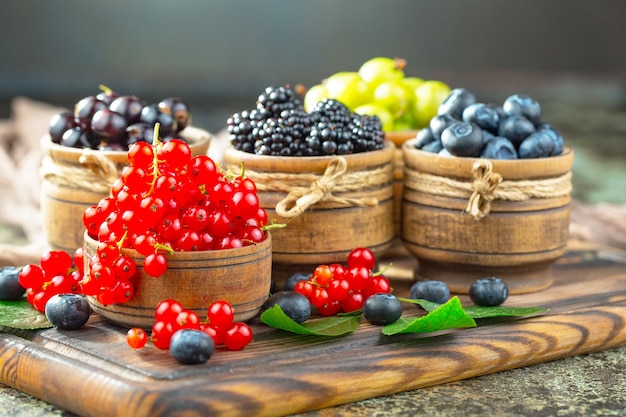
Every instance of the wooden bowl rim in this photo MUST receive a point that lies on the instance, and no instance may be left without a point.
(199, 140)
(510, 169)
(314, 164)
(398, 137)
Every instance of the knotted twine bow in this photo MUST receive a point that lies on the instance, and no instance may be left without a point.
(301, 198)
(484, 186)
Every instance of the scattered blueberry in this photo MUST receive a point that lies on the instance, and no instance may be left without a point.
(516, 128)
(67, 311)
(489, 292)
(483, 116)
(537, 145)
(293, 304)
(431, 290)
(440, 122)
(522, 105)
(10, 288)
(499, 148)
(190, 346)
(382, 309)
(291, 282)
(462, 139)
(456, 102)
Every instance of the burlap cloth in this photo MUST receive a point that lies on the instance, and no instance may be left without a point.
(20, 159)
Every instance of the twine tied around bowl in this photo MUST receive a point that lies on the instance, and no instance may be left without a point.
(487, 186)
(94, 172)
(306, 189)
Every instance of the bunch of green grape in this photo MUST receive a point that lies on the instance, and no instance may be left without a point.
(380, 87)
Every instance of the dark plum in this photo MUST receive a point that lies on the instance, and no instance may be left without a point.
(537, 145)
(151, 115)
(293, 304)
(440, 122)
(177, 108)
(59, 123)
(483, 116)
(129, 106)
(85, 109)
(293, 279)
(10, 288)
(382, 309)
(108, 124)
(456, 102)
(462, 139)
(499, 148)
(191, 347)
(107, 95)
(76, 137)
(522, 105)
(67, 311)
(516, 128)
(489, 292)
(431, 290)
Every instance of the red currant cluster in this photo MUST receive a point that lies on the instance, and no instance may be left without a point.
(55, 274)
(171, 317)
(335, 287)
(167, 201)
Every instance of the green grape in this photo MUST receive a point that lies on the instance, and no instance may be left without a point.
(428, 98)
(392, 96)
(411, 84)
(313, 96)
(347, 87)
(377, 70)
(383, 114)
(404, 122)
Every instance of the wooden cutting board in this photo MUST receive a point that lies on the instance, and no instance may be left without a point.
(93, 372)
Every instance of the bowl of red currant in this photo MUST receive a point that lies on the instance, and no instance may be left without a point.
(175, 226)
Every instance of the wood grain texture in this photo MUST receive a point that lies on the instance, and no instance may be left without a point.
(93, 373)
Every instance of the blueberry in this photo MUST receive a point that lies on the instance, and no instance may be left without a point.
(556, 136)
(424, 137)
(537, 145)
(498, 109)
(382, 309)
(462, 139)
(440, 122)
(456, 102)
(431, 290)
(489, 292)
(10, 288)
(291, 282)
(499, 148)
(434, 147)
(516, 128)
(67, 311)
(190, 346)
(293, 304)
(522, 105)
(483, 116)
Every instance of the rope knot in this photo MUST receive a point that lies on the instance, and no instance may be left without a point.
(483, 187)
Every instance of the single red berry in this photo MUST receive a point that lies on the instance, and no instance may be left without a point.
(124, 267)
(155, 265)
(238, 335)
(136, 338)
(31, 276)
(323, 275)
(339, 289)
(220, 313)
(217, 333)
(55, 262)
(141, 154)
(162, 334)
(353, 302)
(361, 257)
(331, 308)
(167, 310)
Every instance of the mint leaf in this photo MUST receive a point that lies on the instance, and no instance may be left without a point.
(21, 315)
(482, 312)
(446, 316)
(329, 326)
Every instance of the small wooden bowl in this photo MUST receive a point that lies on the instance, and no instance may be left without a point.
(517, 241)
(74, 180)
(327, 231)
(239, 276)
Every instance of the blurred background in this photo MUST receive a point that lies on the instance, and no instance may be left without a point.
(219, 55)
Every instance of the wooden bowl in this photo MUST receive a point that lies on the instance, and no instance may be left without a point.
(73, 180)
(518, 240)
(328, 230)
(239, 276)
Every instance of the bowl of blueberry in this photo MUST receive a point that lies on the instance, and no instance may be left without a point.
(487, 192)
(85, 152)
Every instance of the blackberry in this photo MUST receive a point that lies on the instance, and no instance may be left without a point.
(276, 99)
(366, 133)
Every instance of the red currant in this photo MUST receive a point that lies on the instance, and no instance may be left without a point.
(220, 313)
(238, 335)
(136, 338)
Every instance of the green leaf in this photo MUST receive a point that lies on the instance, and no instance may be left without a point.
(446, 316)
(329, 326)
(482, 312)
(21, 315)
